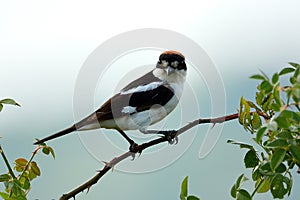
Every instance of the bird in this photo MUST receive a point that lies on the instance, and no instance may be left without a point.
(141, 103)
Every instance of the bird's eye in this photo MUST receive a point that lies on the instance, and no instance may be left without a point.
(174, 64)
(164, 63)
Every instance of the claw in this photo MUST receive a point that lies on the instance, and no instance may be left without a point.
(173, 141)
(170, 136)
(133, 150)
(176, 140)
(132, 156)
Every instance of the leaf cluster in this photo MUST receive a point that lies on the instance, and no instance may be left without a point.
(275, 124)
(17, 180)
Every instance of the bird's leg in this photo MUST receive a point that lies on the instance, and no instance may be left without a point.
(170, 135)
(130, 141)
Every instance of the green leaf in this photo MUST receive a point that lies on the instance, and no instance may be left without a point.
(35, 169)
(279, 143)
(265, 169)
(16, 188)
(276, 95)
(277, 158)
(275, 78)
(9, 101)
(4, 195)
(296, 65)
(244, 113)
(251, 160)
(296, 94)
(281, 168)
(282, 122)
(286, 114)
(297, 71)
(1, 106)
(243, 195)
(26, 184)
(258, 77)
(293, 80)
(236, 187)
(252, 105)
(46, 151)
(191, 197)
(296, 117)
(184, 188)
(233, 191)
(280, 186)
(31, 175)
(266, 101)
(266, 86)
(295, 151)
(284, 135)
(259, 98)
(260, 134)
(276, 107)
(256, 175)
(4, 177)
(263, 186)
(21, 162)
(242, 178)
(286, 71)
(256, 122)
(51, 151)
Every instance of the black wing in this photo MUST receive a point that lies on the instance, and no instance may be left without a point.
(140, 100)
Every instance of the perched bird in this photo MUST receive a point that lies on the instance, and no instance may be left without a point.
(141, 103)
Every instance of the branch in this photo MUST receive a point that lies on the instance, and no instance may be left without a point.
(11, 172)
(140, 148)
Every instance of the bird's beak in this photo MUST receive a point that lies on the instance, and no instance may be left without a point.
(170, 70)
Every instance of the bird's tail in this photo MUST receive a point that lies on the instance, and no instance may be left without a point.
(58, 134)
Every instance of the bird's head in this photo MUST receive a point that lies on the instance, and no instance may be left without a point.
(172, 63)
(171, 67)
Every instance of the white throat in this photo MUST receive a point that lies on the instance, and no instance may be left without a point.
(178, 76)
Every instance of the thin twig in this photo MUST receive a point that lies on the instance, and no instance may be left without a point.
(7, 164)
(140, 148)
(30, 160)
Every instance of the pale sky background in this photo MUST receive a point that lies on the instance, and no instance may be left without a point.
(43, 45)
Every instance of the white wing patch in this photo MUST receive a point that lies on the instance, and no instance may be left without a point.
(143, 88)
(128, 109)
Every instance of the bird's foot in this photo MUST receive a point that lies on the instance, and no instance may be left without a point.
(133, 150)
(170, 135)
(132, 154)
